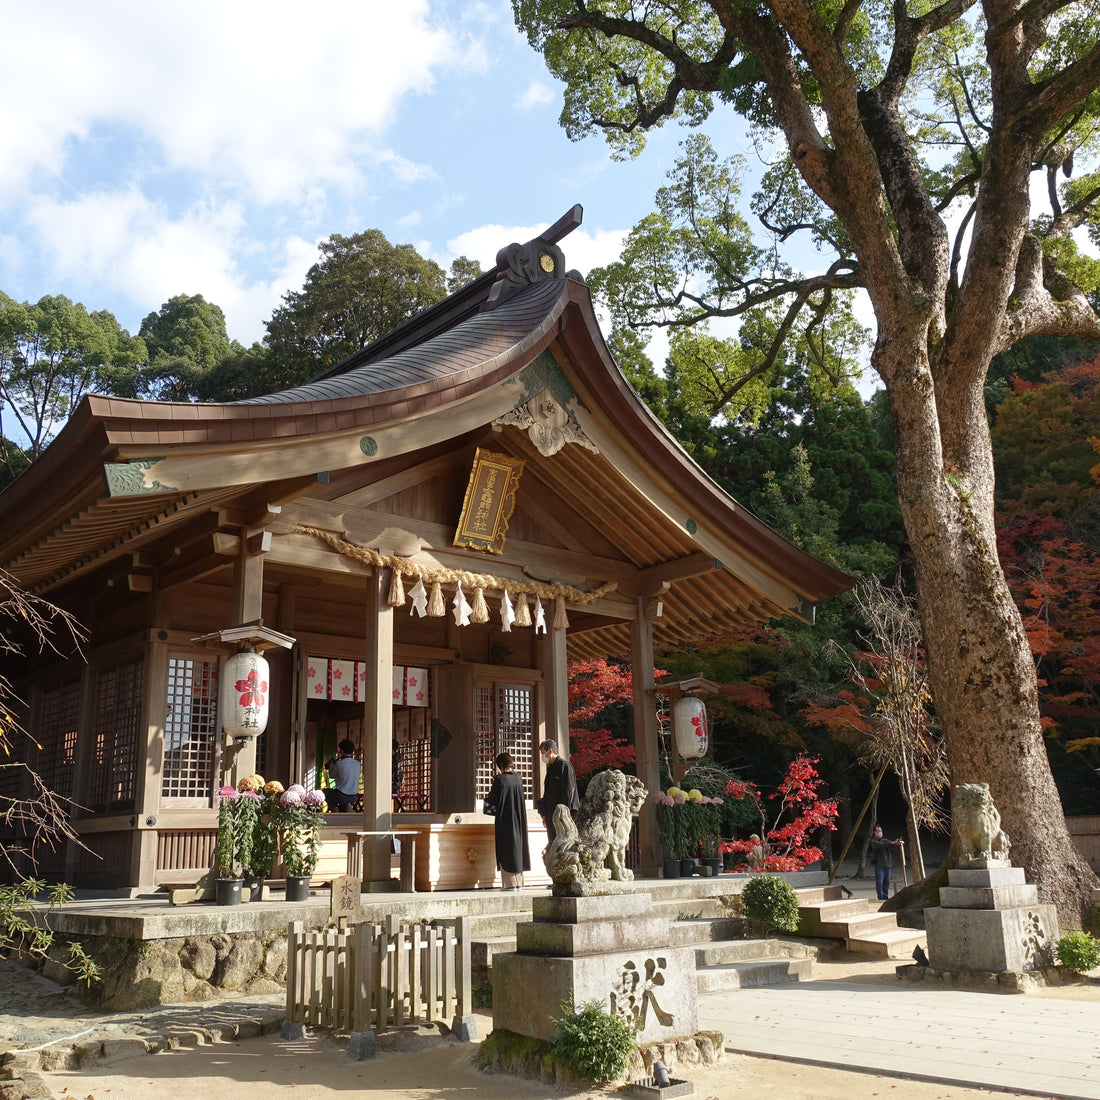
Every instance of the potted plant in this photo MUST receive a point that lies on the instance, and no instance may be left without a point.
(265, 835)
(233, 845)
(687, 823)
(300, 816)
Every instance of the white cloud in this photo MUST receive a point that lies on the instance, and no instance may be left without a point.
(535, 95)
(252, 93)
(120, 243)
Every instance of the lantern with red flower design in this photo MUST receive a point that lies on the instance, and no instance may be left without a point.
(689, 726)
(244, 695)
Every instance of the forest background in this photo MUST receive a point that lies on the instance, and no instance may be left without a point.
(815, 463)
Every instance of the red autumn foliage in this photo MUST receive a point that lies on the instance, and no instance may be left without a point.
(593, 687)
(785, 845)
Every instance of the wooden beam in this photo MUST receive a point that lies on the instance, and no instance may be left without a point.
(656, 578)
(366, 527)
(405, 479)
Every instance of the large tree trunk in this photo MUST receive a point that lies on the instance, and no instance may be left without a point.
(979, 662)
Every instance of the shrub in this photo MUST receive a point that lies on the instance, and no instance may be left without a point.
(1078, 951)
(592, 1044)
(770, 902)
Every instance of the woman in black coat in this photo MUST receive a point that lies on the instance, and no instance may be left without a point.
(506, 802)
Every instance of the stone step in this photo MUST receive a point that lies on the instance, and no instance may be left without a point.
(860, 926)
(843, 907)
(896, 943)
(687, 933)
(490, 926)
(689, 908)
(721, 952)
(817, 895)
(481, 956)
(751, 973)
(812, 919)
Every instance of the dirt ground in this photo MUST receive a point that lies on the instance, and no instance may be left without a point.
(315, 1069)
(224, 1071)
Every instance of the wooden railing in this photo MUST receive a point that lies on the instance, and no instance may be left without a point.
(369, 975)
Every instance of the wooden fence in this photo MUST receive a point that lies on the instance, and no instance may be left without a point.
(378, 975)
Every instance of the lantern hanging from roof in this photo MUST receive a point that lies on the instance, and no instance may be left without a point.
(244, 695)
(689, 726)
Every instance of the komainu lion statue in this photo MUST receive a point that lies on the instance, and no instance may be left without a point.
(978, 824)
(601, 833)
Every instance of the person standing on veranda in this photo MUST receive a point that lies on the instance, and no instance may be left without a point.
(559, 788)
(508, 806)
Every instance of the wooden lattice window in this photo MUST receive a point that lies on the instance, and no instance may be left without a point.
(504, 720)
(413, 733)
(58, 715)
(112, 768)
(191, 731)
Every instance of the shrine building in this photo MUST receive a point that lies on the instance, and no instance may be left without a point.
(418, 540)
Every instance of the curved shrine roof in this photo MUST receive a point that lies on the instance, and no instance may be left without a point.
(123, 472)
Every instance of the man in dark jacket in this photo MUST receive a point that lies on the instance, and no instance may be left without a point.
(882, 857)
(559, 787)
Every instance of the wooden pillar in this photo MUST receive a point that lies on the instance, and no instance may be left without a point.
(248, 594)
(85, 740)
(645, 737)
(378, 728)
(555, 674)
(143, 853)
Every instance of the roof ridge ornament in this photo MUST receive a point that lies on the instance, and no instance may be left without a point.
(539, 260)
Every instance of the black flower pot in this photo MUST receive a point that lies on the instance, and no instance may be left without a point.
(254, 887)
(672, 868)
(714, 863)
(229, 891)
(687, 868)
(297, 887)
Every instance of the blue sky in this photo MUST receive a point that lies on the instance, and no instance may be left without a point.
(152, 149)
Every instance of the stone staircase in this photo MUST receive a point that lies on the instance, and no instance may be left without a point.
(724, 960)
(824, 913)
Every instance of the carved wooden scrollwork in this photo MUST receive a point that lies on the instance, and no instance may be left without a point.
(549, 425)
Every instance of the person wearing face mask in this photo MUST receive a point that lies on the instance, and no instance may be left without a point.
(559, 788)
(882, 858)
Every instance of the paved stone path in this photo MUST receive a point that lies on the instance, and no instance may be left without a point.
(1032, 1045)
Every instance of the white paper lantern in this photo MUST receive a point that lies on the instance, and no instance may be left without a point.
(689, 726)
(244, 695)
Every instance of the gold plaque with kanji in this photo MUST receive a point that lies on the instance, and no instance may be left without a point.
(490, 501)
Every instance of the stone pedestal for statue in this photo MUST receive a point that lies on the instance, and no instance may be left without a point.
(611, 949)
(989, 919)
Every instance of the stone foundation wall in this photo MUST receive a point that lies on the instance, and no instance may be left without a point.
(522, 1056)
(143, 973)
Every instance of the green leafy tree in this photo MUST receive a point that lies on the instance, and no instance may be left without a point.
(463, 271)
(361, 288)
(909, 137)
(186, 339)
(51, 354)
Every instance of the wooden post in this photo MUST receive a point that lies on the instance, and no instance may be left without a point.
(248, 593)
(143, 855)
(465, 968)
(645, 738)
(378, 724)
(554, 662)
